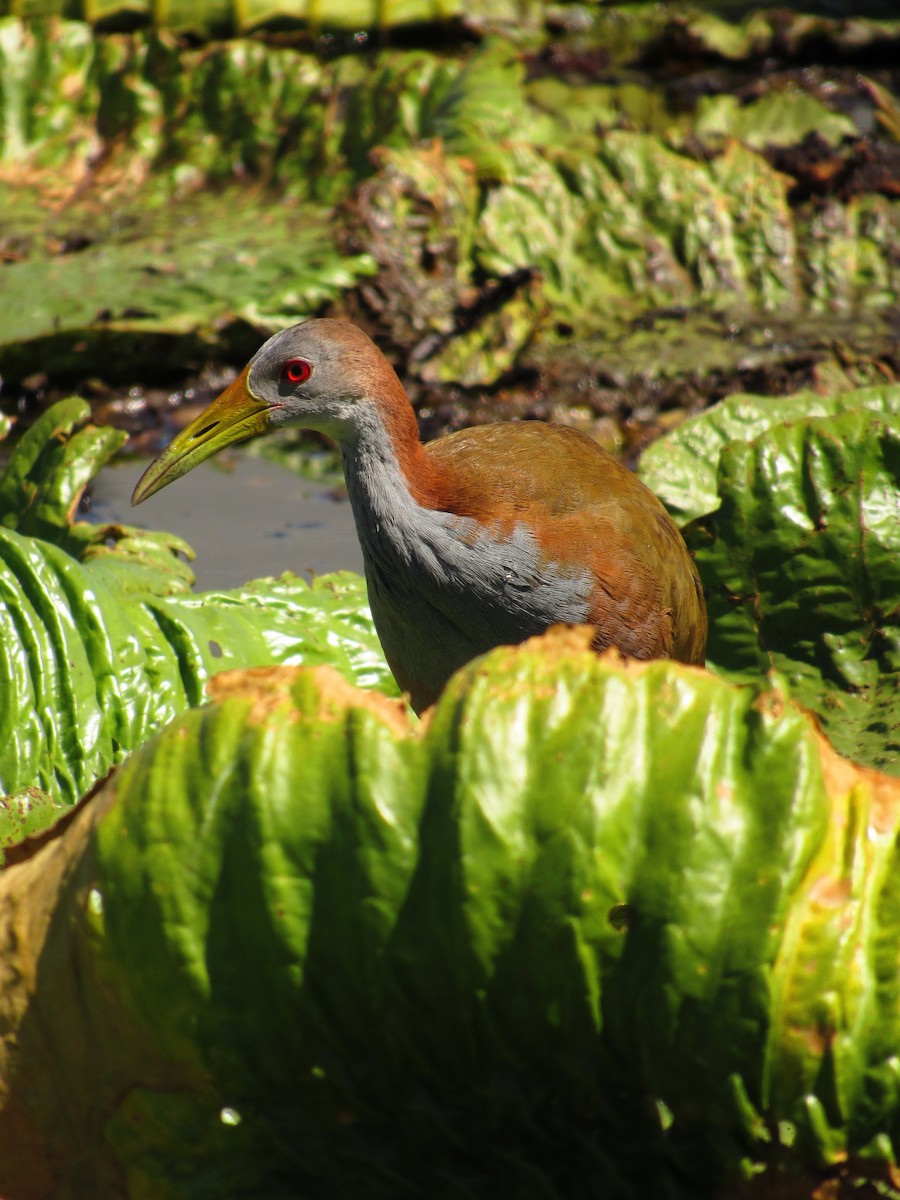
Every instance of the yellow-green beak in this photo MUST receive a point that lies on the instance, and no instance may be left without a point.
(234, 416)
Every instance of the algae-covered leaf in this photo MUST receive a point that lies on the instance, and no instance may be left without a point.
(801, 564)
(180, 271)
(416, 202)
(846, 261)
(535, 221)
(780, 118)
(645, 196)
(682, 466)
(585, 894)
(172, 190)
(637, 222)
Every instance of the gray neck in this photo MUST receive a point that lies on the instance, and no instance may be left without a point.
(387, 517)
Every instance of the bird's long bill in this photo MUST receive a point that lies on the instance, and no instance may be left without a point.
(232, 417)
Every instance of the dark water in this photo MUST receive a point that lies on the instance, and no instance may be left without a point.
(250, 520)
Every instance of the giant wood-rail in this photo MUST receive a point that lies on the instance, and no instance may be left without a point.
(481, 538)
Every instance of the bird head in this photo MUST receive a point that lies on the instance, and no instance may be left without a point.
(320, 375)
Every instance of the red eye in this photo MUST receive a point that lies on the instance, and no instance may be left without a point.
(296, 370)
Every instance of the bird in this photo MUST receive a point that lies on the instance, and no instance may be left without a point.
(483, 537)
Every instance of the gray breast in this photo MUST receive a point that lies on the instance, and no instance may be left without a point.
(443, 590)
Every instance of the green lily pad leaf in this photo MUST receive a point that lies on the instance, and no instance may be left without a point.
(92, 665)
(801, 564)
(25, 813)
(137, 561)
(481, 111)
(780, 118)
(795, 28)
(579, 886)
(41, 486)
(682, 467)
(582, 110)
(640, 222)
(535, 221)
(179, 273)
(101, 640)
(42, 482)
(326, 622)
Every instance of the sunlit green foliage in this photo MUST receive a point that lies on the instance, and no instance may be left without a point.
(593, 922)
(169, 192)
(102, 641)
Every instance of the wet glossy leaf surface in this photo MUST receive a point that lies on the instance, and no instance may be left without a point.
(93, 663)
(101, 640)
(25, 813)
(683, 468)
(410, 952)
(801, 563)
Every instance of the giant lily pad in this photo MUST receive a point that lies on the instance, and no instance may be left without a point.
(593, 923)
(127, 298)
(102, 641)
(801, 564)
(159, 193)
(90, 670)
(41, 486)
(682, 468)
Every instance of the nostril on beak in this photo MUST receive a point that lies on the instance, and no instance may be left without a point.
(201, 432)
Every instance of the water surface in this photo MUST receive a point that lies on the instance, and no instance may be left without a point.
(249, 519)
